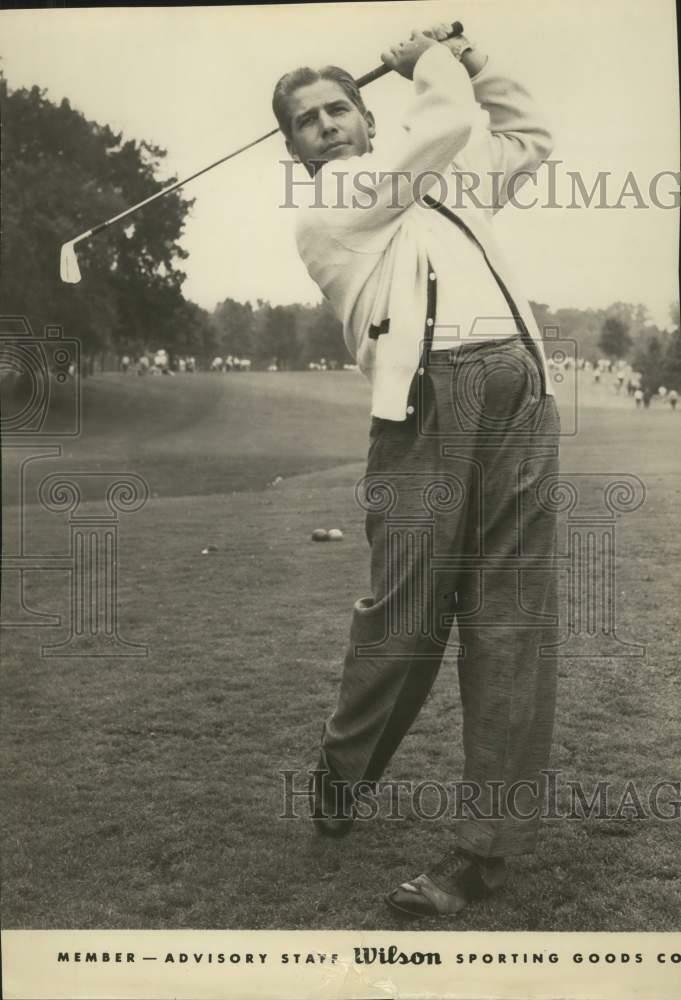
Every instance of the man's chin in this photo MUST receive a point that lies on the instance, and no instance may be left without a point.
(341, 152)
(344, 152)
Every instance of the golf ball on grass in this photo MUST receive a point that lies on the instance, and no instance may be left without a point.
(335, 535)
(320, 535)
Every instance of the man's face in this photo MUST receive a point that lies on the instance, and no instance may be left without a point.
(326, 125)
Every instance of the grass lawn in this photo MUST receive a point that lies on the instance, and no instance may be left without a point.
(146, 792)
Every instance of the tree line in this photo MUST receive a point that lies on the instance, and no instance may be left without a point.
(62, 173)
(622, 331)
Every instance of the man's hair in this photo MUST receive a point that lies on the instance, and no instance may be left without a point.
(301, 78)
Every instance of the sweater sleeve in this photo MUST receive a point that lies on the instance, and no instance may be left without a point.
(516, 140)
(378, 188)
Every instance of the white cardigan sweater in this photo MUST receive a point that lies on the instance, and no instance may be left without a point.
(371, 262)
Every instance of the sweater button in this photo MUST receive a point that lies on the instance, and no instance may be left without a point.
(429, 321)
(421, 371)
(410, 410)
(432, 275)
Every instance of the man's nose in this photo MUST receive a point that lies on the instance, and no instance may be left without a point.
(328, 125)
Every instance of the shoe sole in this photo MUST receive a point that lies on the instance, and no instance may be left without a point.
(413, 914)
(421, 914)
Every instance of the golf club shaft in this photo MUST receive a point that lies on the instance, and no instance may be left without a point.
(173, 187)
(374, 74)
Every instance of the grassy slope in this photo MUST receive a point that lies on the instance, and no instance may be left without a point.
(208, 434)
(145, 792)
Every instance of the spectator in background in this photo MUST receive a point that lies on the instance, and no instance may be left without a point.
(161, 360)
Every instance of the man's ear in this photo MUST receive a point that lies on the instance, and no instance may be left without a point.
(369, 118)
(291, 151)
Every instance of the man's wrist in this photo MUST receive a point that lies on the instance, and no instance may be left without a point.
(468, 55)
(474, 60)
(459, 45)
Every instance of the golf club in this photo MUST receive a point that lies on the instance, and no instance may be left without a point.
(69, 271)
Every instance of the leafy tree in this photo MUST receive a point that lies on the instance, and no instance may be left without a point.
(234, 328)
(649, 360)
(324, 336)
(672, 362)
(583, 326)
(615, 340)
(63, 174)
(190, 333)
(277, 341)
(658, 356)
(634, 317)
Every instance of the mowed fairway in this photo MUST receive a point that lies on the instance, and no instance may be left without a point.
(208, 433)
(147, 792)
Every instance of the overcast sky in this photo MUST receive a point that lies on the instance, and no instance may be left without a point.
(198, 82)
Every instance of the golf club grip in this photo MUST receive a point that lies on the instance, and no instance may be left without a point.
(376, 74)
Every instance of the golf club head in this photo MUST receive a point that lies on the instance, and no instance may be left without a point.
(68, 264)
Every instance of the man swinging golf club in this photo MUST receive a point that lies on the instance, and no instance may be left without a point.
(464, 429)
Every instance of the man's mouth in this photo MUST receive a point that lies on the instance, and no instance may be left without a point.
(334, 146)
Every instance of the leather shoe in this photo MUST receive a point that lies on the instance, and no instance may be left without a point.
(453, 883)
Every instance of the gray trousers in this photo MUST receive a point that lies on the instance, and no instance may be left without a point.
(458, 532)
